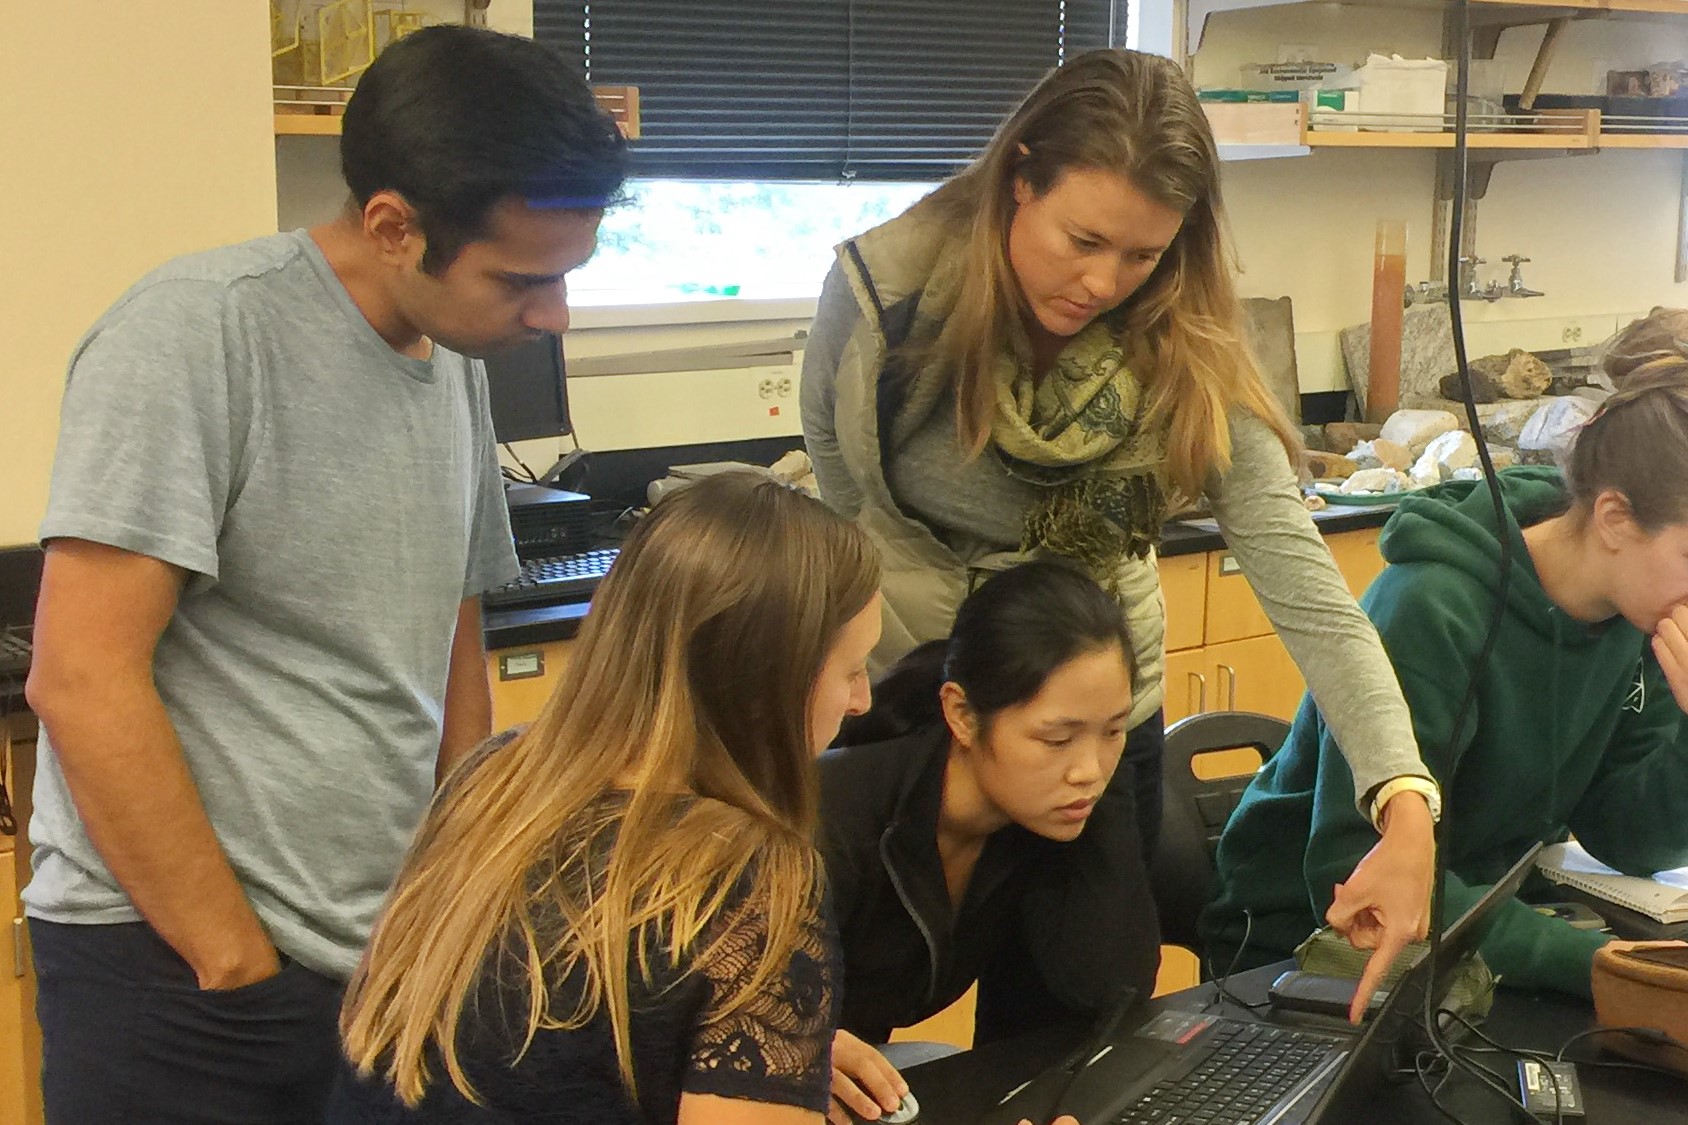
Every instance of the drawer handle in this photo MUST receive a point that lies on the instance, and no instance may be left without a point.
(1201, 691)
(1231, 686)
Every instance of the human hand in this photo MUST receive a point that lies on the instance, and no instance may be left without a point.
(1064, 1119)
(863, 1082)
(229, 968)
(1670, 645)
(1385, 904)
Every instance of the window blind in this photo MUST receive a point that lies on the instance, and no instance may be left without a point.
(827, 90)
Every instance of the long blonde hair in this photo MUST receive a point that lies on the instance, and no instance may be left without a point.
(1135, 115)
(692, 675)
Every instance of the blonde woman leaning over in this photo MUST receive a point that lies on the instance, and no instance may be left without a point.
(614, 915)
(1039, 357)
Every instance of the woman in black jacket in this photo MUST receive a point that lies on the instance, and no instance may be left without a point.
(976, 827)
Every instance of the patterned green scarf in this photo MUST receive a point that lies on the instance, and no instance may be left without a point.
(1079, 434)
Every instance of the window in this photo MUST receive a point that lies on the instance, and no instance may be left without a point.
(773, 129)
(680, 240)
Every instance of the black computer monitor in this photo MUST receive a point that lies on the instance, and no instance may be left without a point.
(529, 394)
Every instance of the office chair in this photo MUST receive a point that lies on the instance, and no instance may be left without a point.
(1196, 809)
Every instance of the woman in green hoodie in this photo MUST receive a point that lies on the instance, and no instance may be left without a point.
(1573, 728)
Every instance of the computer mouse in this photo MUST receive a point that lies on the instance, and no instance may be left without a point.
(907, 1110)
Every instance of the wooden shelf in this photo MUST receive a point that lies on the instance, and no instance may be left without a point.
(620, 102)
(1536, 142)
(1587, 135)
(307, 124)
(1484, 13)
(1548, 141)
(1429, 142)
(1644, 140)
(1595, 7)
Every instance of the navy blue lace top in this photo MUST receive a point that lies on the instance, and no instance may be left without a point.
(775, 1049)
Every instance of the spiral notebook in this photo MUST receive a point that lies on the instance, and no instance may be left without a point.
(1663, 898)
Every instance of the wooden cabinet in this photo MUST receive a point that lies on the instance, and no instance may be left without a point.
(20, 1035)
(1188, 684)
(522, 680)
(1184, 586)
(1357, 557)
(17, 1010)
(1222, 654)
(1233, 612)
(1254, 674)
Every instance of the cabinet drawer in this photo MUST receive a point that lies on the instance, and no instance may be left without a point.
(1187, 684)
(1357, 557)
(1233, 612)
(522, 680)
(1183, 582)
(1255, 674)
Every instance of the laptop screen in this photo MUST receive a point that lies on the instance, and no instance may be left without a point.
(1376, 1057)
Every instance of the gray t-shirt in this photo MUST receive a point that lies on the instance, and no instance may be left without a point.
(333, 502)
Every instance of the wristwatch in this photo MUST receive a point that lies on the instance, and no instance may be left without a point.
(1407, 783)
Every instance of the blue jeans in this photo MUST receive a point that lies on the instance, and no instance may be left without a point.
(129, 1038)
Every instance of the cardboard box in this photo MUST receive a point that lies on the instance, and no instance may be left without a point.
(1255, 123)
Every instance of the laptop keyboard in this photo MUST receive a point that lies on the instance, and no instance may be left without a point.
(1250, 1070)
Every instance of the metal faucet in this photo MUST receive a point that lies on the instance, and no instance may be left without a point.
(1425, 293)
(1469, 290)
(1515, 284)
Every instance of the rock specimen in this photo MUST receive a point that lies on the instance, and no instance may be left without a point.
(1343, 436)
(1551, 429)
(1447, 454)
(1376, 480)
(1416, 429)
(1330, 466)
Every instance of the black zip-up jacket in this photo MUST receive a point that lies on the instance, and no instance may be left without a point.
(1051, 931)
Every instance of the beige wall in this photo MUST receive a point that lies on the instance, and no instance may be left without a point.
(129, 133)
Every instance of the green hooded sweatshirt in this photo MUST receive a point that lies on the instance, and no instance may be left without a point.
(1573, 728)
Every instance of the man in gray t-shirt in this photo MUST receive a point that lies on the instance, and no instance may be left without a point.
(275, 503)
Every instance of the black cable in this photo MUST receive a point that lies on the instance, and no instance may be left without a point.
(1647, 1034)
(1500, 1084)
(1503, 521)
(1219, 990)
(530, 478)
(1421, 1072)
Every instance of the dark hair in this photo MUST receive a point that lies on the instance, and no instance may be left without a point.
(458, 119)
(1010, 634)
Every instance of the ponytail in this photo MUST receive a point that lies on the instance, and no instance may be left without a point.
(904, 700)
(1010, 634)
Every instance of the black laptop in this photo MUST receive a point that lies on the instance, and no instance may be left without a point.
(1188, 1064)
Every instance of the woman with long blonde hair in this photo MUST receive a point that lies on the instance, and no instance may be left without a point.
(1044, 354)
(614, 915)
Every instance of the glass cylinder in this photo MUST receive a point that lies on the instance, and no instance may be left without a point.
(1389, 283)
